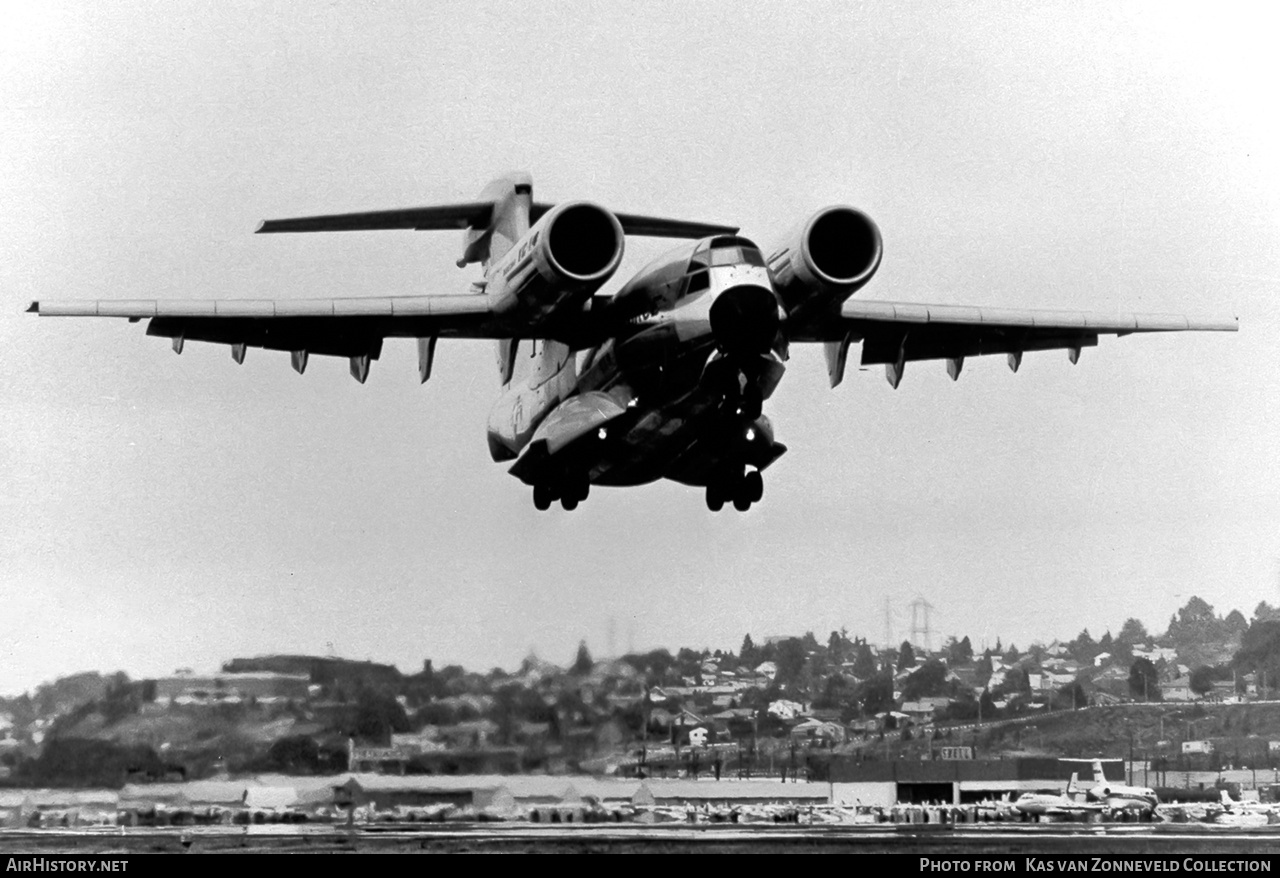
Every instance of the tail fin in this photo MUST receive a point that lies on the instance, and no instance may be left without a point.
(1226, 798)
(1071, 784)
(1098, 775)
(512, 198)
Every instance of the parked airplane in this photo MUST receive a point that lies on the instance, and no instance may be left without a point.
(1056, 804)
(1121, 797)
(664, 378)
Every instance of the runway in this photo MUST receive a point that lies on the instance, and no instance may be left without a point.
(1056, 840)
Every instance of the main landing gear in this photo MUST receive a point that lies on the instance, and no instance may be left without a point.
(741, 490)
(569, 492)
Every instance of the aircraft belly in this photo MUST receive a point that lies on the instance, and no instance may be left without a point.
(520, 410)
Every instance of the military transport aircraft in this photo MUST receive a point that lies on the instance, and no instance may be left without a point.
(665, 377)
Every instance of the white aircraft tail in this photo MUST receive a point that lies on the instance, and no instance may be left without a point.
(1071, 784)
(512, 198)
(1098, 775)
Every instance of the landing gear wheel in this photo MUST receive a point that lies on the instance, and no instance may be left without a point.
(741, 501)
(578, 488)
(715, 498)
(543, 497)
(569, 502)
(753, 484)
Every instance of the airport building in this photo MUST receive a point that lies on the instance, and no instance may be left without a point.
(954, 781)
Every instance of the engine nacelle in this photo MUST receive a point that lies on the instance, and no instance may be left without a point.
(833, 255)
(568, 255)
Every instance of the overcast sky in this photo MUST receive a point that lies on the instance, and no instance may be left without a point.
(160, 512)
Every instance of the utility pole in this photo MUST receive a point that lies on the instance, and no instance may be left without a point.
(644, 734)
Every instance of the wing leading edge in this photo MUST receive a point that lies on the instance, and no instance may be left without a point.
(893, 333)
(352, 328)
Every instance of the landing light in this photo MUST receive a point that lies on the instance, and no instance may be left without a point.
(604, 433)
(751, 434)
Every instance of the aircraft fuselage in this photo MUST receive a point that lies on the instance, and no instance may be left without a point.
(675, 390)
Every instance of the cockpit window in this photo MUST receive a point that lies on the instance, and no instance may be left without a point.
(726, 250)
(736, 255)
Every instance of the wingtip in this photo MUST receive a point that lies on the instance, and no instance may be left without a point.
(33, 308)
(262, 227)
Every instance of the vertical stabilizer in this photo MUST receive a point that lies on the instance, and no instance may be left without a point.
(1098, 775)
(512, 198)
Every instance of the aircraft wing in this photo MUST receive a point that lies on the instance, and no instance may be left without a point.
(475, 215)
(441, 216)
(354, 328)
(893, 333)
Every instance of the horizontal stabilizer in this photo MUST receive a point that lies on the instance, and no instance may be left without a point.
(652, 226)
(441, 216)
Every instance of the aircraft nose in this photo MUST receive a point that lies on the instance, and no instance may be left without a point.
(744, 320)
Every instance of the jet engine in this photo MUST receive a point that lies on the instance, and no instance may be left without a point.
(568, 255)
(833, 255)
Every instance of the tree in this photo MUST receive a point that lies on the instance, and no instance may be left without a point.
(1235, 623)
(986, 706)
(960, 652)
(747, 654)
(1083, 648)
(927, 681)
(1144, 682)
(790, 661)
(295, 753)
(835, 647)
(1202, 680)
(1264, 612)
(1071, 697)
(1015, 682)
(377, 716)
(1194, 625)
(877, 695)
(864, 661)
(1132, 633)
(1260, 652)
(906, 656)
(583, 664)
(983, 670)
(836, 693)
